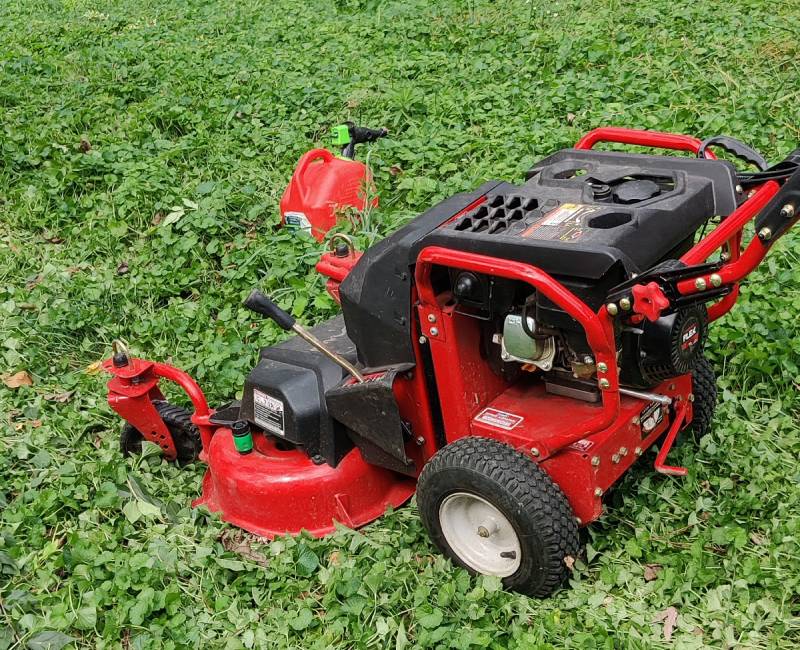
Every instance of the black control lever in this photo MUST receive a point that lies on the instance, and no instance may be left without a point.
(735, 147)
(262, 304)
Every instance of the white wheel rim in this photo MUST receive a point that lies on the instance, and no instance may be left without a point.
(480, 535)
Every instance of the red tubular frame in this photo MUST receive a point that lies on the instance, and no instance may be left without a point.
(641, 138)
(598, 326)
(729, 233)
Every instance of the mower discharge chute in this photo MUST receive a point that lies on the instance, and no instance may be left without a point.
(509, 354)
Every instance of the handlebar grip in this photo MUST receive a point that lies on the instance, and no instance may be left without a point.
(261, 304)
(736, 147)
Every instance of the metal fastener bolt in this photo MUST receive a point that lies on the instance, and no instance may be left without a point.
(638, 451)
(534, 451)
(602, 367)
(611, 308)
(765, 234)
(434, 331)
(625, 303)
(623, 451)
(431, 318)
(787, 211)
(588, 360)
(604, 383)
(700, 284)
(422, 340)
(724, 256)
(598, 492)
(578, 520)
(483, 531)
(420, 441)
(716, 279)
(595, 461)
(635, 419)
(615, 458)
(691, 397)
(739, 189)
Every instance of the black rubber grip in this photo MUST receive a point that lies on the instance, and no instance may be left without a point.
(261, 304)
(736, 147)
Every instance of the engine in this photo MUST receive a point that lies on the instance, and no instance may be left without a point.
(590, 219)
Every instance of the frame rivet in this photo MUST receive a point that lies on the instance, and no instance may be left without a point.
(691, 397)
(765, 234)
(611, 308)
(625, 303)
(420, 441)
(595, 461)
(638, 451)
(434, 331)
(623, 451)
(700, 284)
(604, 383)
(787, 211)
(739, 189)
(635, 419)
(598, 492)
(535, 451)
(716, 279)
(422, 340)
(724, 256)
(431, 318)
(615, 458)
(602, 367)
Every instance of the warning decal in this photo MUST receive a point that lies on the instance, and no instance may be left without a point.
(268, 412)
(651, 416)
(564, 223)
(297, 221)
(499, 419)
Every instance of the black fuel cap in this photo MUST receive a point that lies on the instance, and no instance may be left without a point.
(635, 191)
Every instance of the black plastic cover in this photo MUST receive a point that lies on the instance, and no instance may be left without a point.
(284, 394)
(581, 212)
(376, 294)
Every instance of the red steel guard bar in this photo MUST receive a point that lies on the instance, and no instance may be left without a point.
(202, 412)
(598, 327)
(641, 138)
(728, 232)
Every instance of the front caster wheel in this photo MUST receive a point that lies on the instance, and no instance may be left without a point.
(494, 511)
(179, 422)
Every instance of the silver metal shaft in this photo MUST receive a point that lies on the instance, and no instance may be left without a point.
(650, 397)
(303, 333)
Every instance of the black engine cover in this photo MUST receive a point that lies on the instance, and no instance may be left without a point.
(668, 347)
(284, 395)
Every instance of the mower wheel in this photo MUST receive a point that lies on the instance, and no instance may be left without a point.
(704, 387)
(494, 511)
(179, 422)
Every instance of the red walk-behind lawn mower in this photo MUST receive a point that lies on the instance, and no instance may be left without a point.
(508, 354)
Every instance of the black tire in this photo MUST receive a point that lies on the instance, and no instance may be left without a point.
(185, 435)
(704, 388)
(525, 495)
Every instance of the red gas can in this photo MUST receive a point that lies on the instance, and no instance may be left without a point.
(322, 182)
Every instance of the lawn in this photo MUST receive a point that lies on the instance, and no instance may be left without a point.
(144, 146)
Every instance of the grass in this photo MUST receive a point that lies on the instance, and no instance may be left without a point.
(112, 114)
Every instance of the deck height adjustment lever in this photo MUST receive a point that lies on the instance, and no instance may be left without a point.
(263, 305)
